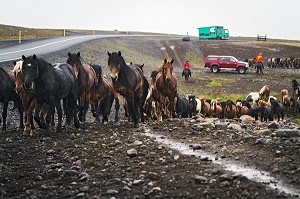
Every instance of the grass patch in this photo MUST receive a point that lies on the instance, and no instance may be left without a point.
(194, 60)
(217, 82)
(296, 120)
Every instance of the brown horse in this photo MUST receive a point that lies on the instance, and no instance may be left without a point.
(241, 110)
(8, 93)
(129, 82)
(205, 109)
(264, 93)
(283, 92)
(86, 76)
(166, 85)
(230, 110)
(215, 109)
(186, 73)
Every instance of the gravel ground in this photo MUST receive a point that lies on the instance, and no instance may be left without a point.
(184, 158)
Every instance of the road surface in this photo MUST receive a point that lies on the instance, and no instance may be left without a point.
(48, 45)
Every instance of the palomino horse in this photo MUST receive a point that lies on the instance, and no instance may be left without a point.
(129, 82)
(86, 79)
(186, 73)
(51, 85)
(264, 93)
(166, 85)
(8, 93)
(215, 109)
(28, 100)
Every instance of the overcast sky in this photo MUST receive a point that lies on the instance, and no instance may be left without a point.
(276, 18)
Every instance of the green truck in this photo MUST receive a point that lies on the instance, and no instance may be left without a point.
(213, 32)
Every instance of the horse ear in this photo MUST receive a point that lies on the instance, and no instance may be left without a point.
(142, 66)
(69, 54)
(78, 54)
(34, 57)
(108, 53)
(14, 63)
(119, 53)
(130, 63)
(23, 57)
(165, 61)
(172, 61)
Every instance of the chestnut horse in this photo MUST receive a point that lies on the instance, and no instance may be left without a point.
(51, 85)
(166, 85)
(129, 82)
(86, 76)
(8, 93)
(264, 93)
(230, 109)
(241, 110)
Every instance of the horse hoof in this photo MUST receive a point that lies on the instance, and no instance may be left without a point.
(77, 124)
(26, 133)
(136, 125)
(33, 132)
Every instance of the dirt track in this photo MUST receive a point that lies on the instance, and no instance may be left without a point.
(96, 161)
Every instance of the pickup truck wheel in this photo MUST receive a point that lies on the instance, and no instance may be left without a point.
(215, 69)
(241, 70)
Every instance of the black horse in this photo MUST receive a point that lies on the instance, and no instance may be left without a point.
(51, 85)
(8, 93)
(129, 81)
(296, 88)
(277, 108)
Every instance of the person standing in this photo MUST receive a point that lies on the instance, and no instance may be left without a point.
(259, 65)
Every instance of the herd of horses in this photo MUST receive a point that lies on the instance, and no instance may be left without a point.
(277, 62)
(40, 89)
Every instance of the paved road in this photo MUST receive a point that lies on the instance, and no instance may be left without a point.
(48, 45)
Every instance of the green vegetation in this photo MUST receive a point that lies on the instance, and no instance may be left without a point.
(296, 120)
(216, 82)
(194, 59)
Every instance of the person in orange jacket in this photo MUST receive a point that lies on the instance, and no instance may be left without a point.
(259, 65)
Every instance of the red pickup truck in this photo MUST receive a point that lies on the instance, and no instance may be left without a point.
(216, 63)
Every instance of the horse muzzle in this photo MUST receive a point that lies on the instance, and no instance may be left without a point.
(18, 89)
(168, 80)
(28, 85)
(115, 78)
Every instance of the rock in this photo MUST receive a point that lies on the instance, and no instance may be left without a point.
(176, 157)
(197, 147)
(288, 132)
(138, 182)
(84, 188)
(221, 125)
(71, 172)
(247, 119)
(112, 192)
(262, 132)
(80, 195)
(154, 189)
(132, 153)
(224, 184)
(200, 179)
(236, 127)
(207, 125)
(137, 143)
(273, 125)
(226, 177)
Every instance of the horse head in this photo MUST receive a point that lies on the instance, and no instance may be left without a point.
(18, 76)
(167, 70)
(115, 60)
(74, 61)
(30, 70)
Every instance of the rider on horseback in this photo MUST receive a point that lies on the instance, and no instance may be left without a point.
(188, 67)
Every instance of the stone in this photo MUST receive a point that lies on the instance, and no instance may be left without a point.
(288, 132)
(273, 125)
(132, 152)
(236, 127)
(247, 119)
(200, 179)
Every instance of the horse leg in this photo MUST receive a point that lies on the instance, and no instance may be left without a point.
(59, 116)
(38, 106)
(29, 125)
(117, 108)
(73, 110)
(18, 104)
(132, 111)
(4, 115)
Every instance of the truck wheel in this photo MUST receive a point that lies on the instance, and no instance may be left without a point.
(241, 70)
(215, 69)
